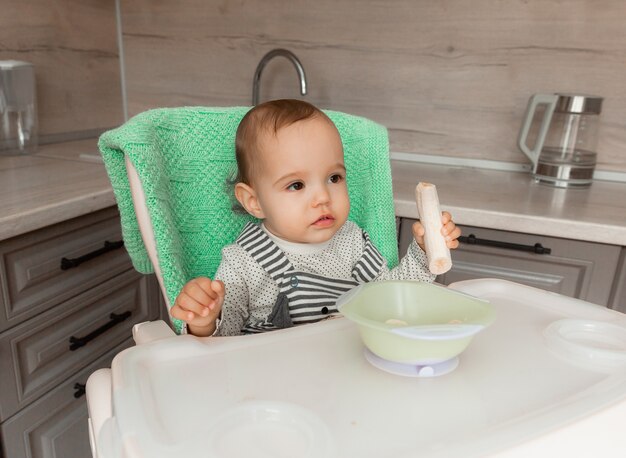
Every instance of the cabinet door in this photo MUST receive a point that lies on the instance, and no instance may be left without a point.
(46, 267)
(578, 269)
(37, 355)
(618, 295)
(55, 426)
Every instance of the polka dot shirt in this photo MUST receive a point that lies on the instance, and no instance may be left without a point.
(251, 293)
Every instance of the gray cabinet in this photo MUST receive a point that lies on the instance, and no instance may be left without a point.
(56, 424)
(69, 298)
(618, 294)
(45, 267)
(578, 269)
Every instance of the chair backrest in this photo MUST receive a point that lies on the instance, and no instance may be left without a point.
(169, 168)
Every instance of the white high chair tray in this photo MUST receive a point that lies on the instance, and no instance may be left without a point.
(309, 391)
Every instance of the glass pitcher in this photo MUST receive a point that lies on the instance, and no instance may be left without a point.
(18, 108)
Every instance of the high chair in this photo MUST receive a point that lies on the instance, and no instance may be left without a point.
(308, 390)
(169, 170)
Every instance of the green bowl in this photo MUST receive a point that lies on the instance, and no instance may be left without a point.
(413, 322)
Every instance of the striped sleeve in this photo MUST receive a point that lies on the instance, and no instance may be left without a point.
(370, 264)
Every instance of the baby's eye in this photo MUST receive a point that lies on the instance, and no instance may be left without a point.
(336, 178)
(297, 186)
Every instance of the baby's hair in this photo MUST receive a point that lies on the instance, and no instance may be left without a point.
(267, 118)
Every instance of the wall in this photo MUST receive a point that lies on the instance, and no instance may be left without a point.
(447, 77)
(73, 45)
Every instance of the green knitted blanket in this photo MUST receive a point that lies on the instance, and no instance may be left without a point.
(184, 157)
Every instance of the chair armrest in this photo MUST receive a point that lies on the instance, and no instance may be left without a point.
(99, 405)
(151, 330)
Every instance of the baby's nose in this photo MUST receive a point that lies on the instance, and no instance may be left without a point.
(321, 196)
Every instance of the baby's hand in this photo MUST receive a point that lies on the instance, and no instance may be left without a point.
(448, 230)
(199, 304)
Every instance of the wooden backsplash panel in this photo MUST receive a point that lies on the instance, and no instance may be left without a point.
(446, 77)
(73, 45)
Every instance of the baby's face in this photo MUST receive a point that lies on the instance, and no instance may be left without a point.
(301, 184)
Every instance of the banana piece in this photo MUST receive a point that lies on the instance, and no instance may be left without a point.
(437, 253)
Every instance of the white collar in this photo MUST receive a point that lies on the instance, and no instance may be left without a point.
(296, 248)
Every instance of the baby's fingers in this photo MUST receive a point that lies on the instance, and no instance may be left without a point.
(452, 244)
(189, 307)
(199, 291)
(178, 312)
(452, 235)
(418, 230)
(418, 233)
(217, 286)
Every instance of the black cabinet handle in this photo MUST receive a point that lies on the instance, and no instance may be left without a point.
(536, 248)
(77, 342)
(79, 389)
(67, 263)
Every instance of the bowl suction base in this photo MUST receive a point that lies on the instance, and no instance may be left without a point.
(412, 370)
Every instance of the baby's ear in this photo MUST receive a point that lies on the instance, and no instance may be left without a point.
(247, 197)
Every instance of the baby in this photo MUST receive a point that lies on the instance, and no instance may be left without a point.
(291, 268)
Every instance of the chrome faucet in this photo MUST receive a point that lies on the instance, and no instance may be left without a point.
(265, 59)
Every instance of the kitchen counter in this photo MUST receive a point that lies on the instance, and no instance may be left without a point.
(63, 181)
(52, 186)
(512, 201)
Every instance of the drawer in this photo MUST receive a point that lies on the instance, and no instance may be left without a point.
(56, 424)
(31, 273)
(39, 354)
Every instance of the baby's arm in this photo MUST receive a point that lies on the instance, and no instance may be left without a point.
(234, 272)
(235, 309)
(199, 305)
(413, 266)
(227, 312)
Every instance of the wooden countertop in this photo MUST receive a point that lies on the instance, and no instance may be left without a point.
(52, 186)
(512, 201)
(63, 181)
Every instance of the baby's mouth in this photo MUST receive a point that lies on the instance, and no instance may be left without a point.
(324, 219)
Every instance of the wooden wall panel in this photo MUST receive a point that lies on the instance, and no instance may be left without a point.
(446, 77)
(73, 45)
